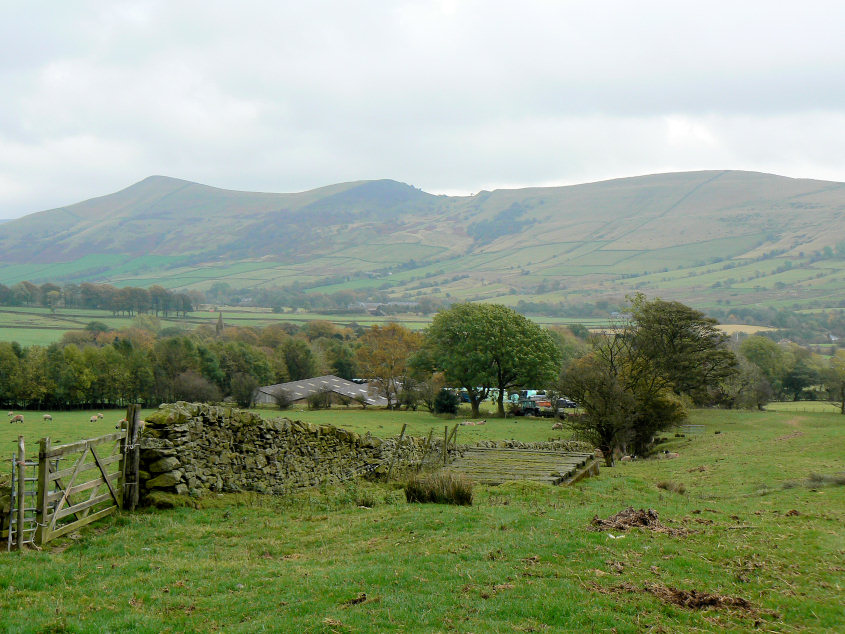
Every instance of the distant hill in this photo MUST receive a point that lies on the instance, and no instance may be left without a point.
(709, 238)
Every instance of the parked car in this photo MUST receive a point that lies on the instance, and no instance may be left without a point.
(534, 407)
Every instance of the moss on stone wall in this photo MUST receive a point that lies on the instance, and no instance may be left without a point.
(191, 448)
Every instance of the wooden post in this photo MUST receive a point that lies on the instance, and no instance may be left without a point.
(41, 506)
(445, 440)
(132, 459)
(396, 451)
(453, 435)
(21, 470)
(427, 449)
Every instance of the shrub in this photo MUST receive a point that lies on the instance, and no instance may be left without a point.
(446, 402)
(283, 399)
(366, 500)
(320, 400)
(193, 387)
(442, 487)
(243, 388)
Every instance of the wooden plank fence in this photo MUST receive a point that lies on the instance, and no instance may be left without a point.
(77, 484)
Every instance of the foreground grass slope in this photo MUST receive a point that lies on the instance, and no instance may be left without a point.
(357, 558)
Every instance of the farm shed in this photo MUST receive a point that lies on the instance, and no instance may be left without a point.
(299, 391)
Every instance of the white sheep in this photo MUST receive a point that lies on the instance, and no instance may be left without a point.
(47, 417)
(16, 418)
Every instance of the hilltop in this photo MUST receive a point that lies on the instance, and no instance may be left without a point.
(709, 237)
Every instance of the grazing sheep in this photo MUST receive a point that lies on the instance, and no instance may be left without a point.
(625, 459)
(93, 419)
(47, 417)
(11, 414)
(17, 418)
(100, 416)
(557, 426)
(120, 423)
(671, 454)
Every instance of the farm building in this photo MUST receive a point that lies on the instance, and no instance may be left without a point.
(341, 390)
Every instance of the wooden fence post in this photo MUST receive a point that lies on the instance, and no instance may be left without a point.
(41, 505)
(396, 451)
(427, 449)
(132, 458)
(454, 435)
(445, 440)
(21, 471)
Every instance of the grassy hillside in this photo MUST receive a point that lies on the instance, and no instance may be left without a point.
(707, 238)
(358, 558)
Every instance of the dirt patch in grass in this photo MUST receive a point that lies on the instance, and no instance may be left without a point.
(795, 434)
(632, 518)
(695, 600)
(361, 598)
(690, 599)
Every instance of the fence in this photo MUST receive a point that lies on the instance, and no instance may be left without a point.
(692, 429)
(76, 484)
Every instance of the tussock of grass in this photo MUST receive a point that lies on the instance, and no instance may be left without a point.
(816, 480)
(442, 487)
(673, 487)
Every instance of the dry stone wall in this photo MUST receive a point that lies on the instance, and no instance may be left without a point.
(191, 448)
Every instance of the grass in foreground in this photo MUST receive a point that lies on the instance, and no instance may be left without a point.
(522, 558)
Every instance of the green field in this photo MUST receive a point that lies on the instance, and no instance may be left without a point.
(66, 426)
(520, 559)
(803, 406)
(34, 325)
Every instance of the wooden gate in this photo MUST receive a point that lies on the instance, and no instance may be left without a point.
(77, 484)
(88, 485)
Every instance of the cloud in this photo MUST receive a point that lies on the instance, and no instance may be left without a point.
(451, 96)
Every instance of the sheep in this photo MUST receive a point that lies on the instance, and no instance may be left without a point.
(17, 418)
(93, 419)
(120, 423)
(557, 426)
(47, 417)
(99, 416)
(11, 414)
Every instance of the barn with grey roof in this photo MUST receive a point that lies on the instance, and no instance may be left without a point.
(299, 391)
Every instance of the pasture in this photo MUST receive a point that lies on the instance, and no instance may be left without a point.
(37, 326)
(752, 527)
(804, 406)
(66, 427)
(386, 423)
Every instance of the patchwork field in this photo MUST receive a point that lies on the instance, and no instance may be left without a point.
(32, 325)
(753, 530)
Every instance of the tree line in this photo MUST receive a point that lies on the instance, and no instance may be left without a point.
(98, 367)
(126, 301)
(635, 379)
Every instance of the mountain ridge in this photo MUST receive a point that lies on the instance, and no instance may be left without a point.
(584, 240)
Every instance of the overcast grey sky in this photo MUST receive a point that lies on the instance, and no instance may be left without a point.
(451, 96)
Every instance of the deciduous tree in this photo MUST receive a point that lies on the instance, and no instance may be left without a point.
(384, 354)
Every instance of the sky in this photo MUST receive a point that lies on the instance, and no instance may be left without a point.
(450, 96)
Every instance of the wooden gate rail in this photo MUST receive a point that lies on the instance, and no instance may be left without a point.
(59, 489)
(72, 491)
